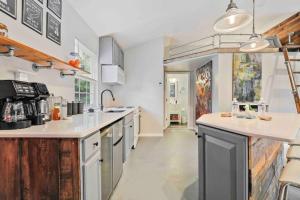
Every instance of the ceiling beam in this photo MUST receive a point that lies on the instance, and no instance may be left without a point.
(284, 28)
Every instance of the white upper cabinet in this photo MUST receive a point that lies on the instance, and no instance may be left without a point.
(113, 75)
(110, 52)
(111, 60)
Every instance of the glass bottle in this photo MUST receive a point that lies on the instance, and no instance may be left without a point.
(261, 107)
(235, 107)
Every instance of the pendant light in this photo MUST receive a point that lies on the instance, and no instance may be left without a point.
(255, 42)
(233, 19)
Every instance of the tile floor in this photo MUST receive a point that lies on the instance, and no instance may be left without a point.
(162, 168)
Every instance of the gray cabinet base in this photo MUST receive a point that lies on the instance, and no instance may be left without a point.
(223, 165)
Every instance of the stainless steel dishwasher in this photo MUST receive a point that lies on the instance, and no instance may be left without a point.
(117, 152)
(107, 162)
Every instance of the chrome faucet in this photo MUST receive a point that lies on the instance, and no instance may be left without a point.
(112, 95)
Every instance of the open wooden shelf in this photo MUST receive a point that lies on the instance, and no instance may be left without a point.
(35, 56)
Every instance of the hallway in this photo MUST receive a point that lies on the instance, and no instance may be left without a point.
(162, 168)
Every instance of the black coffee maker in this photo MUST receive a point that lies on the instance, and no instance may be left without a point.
(17, 107)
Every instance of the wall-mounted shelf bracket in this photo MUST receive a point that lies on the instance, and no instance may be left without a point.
(10, 51)
(63, 74)
(36, 67)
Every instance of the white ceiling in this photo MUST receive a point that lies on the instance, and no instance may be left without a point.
(133, 22)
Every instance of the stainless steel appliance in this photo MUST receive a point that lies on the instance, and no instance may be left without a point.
(43, 107)
(41, 96)
(32, 113)
(12, 97)
(117, 152)
(107, 162)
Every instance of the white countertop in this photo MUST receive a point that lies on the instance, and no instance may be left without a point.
(78, 126)
(282, 127)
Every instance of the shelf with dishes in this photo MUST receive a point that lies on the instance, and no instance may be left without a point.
(10, 47)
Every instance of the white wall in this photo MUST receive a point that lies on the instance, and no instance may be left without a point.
(144, 85)
(276, 89)
(73, 27)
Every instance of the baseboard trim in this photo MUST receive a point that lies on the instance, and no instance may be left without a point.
(151, 135)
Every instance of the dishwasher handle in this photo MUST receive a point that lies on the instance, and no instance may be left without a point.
(106, 132)
(115, 144)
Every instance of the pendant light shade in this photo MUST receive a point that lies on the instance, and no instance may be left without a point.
(255, 42)
(232, 20)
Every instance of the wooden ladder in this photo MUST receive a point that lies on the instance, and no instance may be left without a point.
(291, 73)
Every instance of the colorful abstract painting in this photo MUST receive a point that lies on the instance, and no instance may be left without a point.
(247, 74)
(204, 90)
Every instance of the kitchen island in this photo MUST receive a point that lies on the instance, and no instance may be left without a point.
(241, 159)
(58, 160)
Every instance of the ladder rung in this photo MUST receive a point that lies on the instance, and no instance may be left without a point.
(297, 72)
(294, 60)
(297, 85)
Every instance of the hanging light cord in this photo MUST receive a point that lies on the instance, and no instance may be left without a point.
(253, 25)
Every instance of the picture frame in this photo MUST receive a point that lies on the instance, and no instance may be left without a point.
(9, 7)
(246, 77)
(173, 93)
(32, 16)
(204, 89)
(55, 8)
(53, 29)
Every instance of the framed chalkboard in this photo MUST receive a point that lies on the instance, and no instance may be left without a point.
(32, 15)
(55, 6)
(53, 29)
(9, 7)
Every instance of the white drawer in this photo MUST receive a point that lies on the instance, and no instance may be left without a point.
(91, 145)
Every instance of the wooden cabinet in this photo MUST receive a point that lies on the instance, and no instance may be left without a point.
(50, 169)
(10, 187)
(223, 165)
(110, 52)
(33, 169)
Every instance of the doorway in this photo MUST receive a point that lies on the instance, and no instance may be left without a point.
(177, 98)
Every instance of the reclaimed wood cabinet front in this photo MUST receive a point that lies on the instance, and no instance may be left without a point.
(38, 169)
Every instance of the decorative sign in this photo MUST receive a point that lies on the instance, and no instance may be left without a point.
(55, 6)
(33, 15)
(9, 7)
(53, 29)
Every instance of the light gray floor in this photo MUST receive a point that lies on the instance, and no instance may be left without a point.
(162, 168)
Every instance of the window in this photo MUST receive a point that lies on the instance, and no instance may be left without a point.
(84, 92)
(85, 85)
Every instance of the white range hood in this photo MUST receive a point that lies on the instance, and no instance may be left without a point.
(113, 75)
